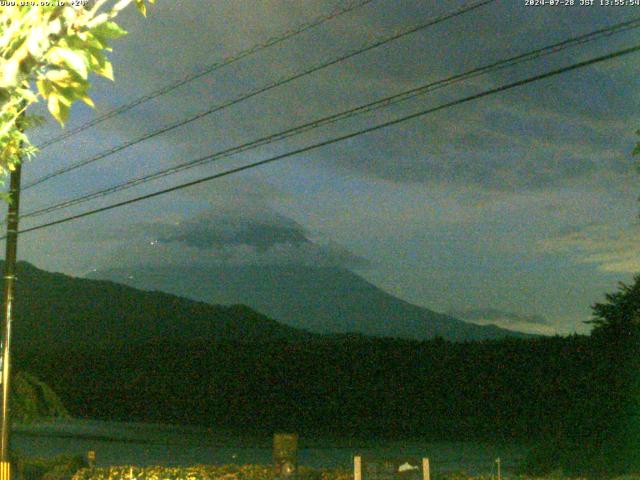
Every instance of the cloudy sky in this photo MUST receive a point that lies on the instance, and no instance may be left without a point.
(523, 202)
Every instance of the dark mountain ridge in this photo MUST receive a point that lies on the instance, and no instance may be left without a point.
(56, 309)
(321, 300)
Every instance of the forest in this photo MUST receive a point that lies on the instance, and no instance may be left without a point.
(573, 399)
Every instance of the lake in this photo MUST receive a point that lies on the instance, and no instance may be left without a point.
(119, 443)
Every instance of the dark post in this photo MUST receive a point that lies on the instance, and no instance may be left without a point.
(91, 458)
(285, 453)
(9, 285)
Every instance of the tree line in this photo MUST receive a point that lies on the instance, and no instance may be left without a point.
(575, 399)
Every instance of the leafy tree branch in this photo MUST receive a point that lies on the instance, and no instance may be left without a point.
(48, 53)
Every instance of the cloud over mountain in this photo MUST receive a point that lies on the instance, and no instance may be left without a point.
(240, 234)
(227, 230)
(532, 323)
(488, 315)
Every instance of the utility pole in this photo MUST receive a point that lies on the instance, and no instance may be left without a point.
(9, 287)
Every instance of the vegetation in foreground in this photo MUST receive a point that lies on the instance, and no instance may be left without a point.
(261, 472)
(198, 472)
(60, 467)
(34, 401)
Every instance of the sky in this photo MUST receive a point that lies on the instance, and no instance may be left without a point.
(520, 206)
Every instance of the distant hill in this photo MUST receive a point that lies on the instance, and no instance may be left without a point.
(53, 309)
(321, 300)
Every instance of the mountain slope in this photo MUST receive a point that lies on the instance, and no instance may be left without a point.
(34, 401)
(57, 310)
(323, 300)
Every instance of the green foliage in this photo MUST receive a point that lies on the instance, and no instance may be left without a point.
(34, 401)
(264, 472)
(605, 439)
(553, 457)
(48, 53)
(203, 472)
(75, 468)
(464, 476)
(366, 387)
(60, 467)
(620, 314)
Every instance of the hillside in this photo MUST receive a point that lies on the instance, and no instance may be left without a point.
(34, 401)
(57, 310)
(321, 300)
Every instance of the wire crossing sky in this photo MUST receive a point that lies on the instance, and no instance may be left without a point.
(279, 83)
(385, 102)
(477, 96)
(210, 69)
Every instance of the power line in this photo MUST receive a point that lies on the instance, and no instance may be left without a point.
(334, 140)
(385, 102)
(260, 90)
(350, 6)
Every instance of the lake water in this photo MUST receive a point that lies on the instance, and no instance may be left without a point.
(151, 444)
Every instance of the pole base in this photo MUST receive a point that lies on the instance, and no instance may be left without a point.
(5, 471)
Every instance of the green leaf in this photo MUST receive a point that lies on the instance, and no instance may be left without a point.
(32, 121)
(97, 59)
(71, 58)
(28, 95)
(9, 75)
(59, 110)
(98, 20)
(105, 70)
(91, 41)
(86, 99)
(108, 30)
(37, 41)
(66, 96)
(120, 5)
(55, 27)
(63, 78)
(44, 87)
(141, 7)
